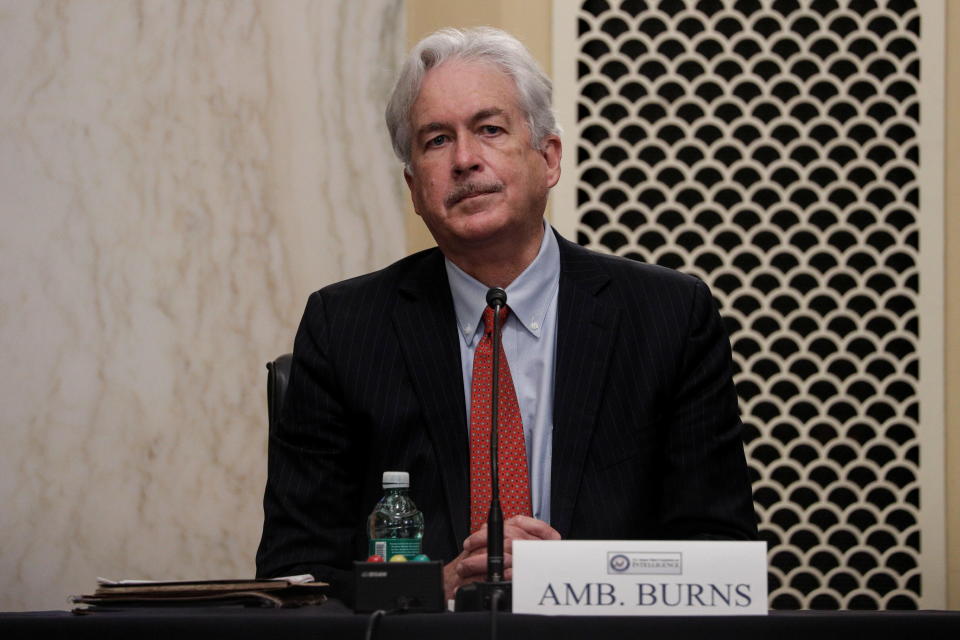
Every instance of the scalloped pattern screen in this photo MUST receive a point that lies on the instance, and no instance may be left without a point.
(770, 148)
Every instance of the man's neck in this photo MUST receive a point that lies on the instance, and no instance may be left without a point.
(499, 265)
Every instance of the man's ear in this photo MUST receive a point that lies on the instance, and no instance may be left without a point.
(552, 150)
(408, 178)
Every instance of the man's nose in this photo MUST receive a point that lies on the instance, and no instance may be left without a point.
(466, 155)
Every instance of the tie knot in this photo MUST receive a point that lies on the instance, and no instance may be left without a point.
(488, 318)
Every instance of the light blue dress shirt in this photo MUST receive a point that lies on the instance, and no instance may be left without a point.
(530, 344)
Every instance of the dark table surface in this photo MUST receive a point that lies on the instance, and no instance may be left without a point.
(334, 621)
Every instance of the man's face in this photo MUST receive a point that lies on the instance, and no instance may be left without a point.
(475, 178)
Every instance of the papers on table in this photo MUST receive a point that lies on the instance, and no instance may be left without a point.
(291, 591)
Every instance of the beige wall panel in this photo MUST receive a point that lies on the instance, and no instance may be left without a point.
(176, 177)
(952, 288)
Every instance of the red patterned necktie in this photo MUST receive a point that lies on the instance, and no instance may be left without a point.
(514, 485)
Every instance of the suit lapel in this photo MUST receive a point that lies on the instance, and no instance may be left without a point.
(426, 327)
(586, 333)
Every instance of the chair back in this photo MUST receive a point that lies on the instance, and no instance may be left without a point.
(278, 373)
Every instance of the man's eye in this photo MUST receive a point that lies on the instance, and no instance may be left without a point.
(436, 141)
(491, 129)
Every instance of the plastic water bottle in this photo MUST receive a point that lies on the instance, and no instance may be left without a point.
(396, 525)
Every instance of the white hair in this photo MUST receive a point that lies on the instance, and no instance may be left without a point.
(482, 44)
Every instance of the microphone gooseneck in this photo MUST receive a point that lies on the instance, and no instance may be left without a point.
(496, 593)
(496, 300)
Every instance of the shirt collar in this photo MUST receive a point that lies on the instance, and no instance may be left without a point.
(528, 296)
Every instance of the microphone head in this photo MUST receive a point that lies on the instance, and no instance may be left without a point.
(496, 297)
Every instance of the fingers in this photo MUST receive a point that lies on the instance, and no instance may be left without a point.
(451, 581)
(467, 568)
(533, 529)
(507, 545)
(471, 564)
(456, 574)
(476, 540)
(516, 528)
(475, 566)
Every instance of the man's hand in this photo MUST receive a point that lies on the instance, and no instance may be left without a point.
(471, 564)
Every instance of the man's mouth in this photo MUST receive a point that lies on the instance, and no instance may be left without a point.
(470, 190)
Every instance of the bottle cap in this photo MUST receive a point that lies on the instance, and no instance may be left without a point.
(396, 479)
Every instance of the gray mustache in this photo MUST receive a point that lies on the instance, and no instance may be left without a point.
(471, 189)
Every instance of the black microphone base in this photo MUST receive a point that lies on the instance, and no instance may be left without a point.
(478, 596)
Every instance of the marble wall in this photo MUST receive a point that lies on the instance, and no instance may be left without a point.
(175, 178)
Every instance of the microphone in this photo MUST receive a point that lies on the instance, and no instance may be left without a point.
(496, 300)
(495, 593)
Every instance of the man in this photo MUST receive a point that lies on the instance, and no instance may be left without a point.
(621, 370)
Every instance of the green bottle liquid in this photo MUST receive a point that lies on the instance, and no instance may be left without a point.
(396, 525)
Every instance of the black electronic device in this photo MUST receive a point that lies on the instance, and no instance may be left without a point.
(408, 586)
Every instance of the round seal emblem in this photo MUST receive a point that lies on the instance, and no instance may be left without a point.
(619, 562)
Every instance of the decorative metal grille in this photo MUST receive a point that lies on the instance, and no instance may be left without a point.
(770, 148)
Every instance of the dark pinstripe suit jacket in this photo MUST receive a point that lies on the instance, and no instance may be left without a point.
(646, 440)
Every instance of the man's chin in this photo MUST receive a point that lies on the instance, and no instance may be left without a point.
(472, 205)
(479, 230)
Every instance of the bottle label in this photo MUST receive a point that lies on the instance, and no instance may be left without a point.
(389, 547)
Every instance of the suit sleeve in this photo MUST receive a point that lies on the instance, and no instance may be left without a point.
(311, 518)
(706, 491)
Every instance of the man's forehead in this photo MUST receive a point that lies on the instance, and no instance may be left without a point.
(468, 88)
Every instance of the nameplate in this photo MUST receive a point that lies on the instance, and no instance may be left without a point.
(639, 577)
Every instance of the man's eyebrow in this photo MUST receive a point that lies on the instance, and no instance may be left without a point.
(483, 114)
(429, 127)
(479, 116)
